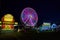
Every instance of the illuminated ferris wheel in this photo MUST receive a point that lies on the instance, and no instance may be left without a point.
(29, 16)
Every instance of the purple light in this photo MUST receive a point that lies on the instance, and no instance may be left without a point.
(29, 16)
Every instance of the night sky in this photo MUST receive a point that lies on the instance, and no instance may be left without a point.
(48, 11)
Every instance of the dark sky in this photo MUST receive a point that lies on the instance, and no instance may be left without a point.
(48, 11)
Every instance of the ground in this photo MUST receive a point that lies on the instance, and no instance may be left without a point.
(29, 35)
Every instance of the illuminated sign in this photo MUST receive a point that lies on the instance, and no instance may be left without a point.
(46, 24)
(7, 23)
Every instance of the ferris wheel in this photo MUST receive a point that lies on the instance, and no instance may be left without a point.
(29, 16)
